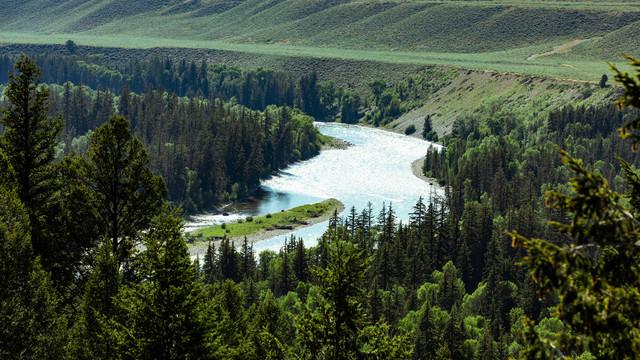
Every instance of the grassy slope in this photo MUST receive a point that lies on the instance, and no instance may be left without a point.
(473, 91)
(495, 35)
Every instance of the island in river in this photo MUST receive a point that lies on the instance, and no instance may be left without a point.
(264, 227)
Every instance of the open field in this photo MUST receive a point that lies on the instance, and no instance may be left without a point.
(503, 36)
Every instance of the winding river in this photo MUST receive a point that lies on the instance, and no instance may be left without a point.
(376, 169)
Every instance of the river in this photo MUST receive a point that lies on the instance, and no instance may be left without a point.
(376, 169)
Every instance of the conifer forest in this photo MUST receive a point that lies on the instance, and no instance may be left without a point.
(532, 251)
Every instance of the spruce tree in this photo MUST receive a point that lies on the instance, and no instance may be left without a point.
(29, 142)
(164, 320)
(31, 327)
(596, 272)
(209, 266)
(125, 194)
(92, 335)
(334, 327)
(270, 330)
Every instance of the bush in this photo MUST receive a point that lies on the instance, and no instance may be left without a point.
(268, 216)
(223, 226)
(410, 129)
(249, 218)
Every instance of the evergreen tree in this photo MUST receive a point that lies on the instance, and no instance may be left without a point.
(300, 262)
(247, 260)
(92, 336)
(31, 328)
(209, 266)
(596, 274)
(228, 261)
(331, 331)
(165, 319)
(29, 142)
(426, 127)
(425, 336)
(126, 195)
(270, 330)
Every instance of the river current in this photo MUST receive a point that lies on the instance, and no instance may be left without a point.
(376, 169)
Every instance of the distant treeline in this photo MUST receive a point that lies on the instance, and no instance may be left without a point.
(255, 89)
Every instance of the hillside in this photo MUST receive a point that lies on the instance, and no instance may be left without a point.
(474, 92)
(495, 35)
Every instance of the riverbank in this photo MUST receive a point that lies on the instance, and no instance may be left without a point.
(265, 227)
(416, 169)
(334, 143)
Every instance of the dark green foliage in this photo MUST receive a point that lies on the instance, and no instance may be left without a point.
(330, 327)
(595, 273)
(426, 127)
(255, 89)
(588, 281)
(164, 318)
(603, 81)
(269, 330)
(150, 304)
(29, 141)
(410, 129)
(209, 265)
(350, 108)
(92, 335)
(71, 47)
(31, 326)
(631, 97)
(125, 194)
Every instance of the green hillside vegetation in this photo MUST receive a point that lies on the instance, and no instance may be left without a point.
(496, 35)
(95, 264)
(476, 92)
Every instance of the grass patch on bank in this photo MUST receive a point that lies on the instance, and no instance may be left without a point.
(282, 220)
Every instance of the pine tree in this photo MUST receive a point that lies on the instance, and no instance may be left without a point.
(92, 336)
(29, 142)
(596, 274)
(165, 316)
(31, 327)
(126, 195)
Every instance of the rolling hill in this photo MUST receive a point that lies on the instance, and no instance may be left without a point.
(508, 36)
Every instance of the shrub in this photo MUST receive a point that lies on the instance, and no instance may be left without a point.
(249, 218)
(410, 129)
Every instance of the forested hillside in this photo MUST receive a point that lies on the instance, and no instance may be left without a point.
(176, 106)
(76, 282)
